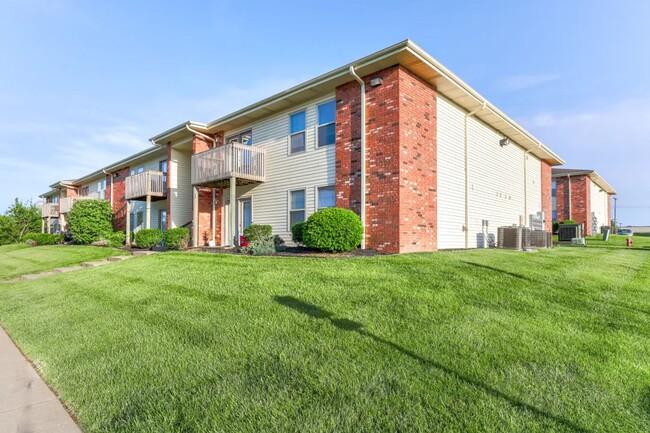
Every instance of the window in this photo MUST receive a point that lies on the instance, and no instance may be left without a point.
(132, 173)
(245, 137)
(162, 165)
(297, 137)
(84, 191)
(296, 207)
(101, 185)
(140, 169)
(554, 215)
(326, 123)
(554, 189)
(326, 197)
(139, 219)
(162, 219)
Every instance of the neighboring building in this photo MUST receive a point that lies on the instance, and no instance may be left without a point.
(440, 166)
(582, 196)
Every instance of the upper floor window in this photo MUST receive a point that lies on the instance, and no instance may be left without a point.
(326, 197)
(84, 191)
(326, 123)
(554, 189)
(140, 169)
(101, 185)
(245, 137)
(297, 137)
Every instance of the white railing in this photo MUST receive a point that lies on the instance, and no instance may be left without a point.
(66, 203)
(50, 210)
(231, 160)
(148, 182)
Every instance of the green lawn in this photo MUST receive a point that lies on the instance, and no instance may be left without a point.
(19, 259)
(500, 341)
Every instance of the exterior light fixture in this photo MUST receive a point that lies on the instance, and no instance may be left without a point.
(377, 81)
(504, 142)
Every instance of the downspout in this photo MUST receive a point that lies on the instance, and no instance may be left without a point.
(467, 116)
(526, 187)
(363, 154)
(111, 176)
(569, 178)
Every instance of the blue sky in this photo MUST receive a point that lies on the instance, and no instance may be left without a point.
(85, 83)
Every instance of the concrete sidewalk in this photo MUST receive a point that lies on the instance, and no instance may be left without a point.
(26, 403)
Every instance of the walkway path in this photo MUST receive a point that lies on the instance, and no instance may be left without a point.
(26, 402)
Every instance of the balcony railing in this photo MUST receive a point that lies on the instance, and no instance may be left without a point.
(66, 203)
(50, 210)
(148, 183)
(232, 160)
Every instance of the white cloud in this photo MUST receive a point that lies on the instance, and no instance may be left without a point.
(514, 83)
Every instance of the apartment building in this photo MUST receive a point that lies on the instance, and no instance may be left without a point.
(583, 196)
(440, 167)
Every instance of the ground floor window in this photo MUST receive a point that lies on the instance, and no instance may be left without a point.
(162, 219)
(325, 197)
(296, 207)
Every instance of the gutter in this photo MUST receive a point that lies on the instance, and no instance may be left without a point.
(363, 154)
(467, 116)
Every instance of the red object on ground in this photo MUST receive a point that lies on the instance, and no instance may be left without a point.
(628, 242)
(243, 242)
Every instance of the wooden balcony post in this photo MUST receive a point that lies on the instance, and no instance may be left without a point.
(147, 223)
(233, 212)
(42, 225)
(195, 216)
(128, 223)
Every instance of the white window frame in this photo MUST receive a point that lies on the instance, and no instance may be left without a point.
(291, 134)
(140, 170)
(289, 209)
(318, 188)
(318, 125)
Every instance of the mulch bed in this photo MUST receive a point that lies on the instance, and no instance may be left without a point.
(291, 252)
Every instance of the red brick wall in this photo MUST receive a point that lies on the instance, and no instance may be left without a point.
(547, 198)
(201, 144)
(70, 192)
(119, 201)
(580, 200)
(418, 164)
(401, 197)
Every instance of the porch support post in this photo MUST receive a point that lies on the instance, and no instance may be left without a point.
(128, 223)
(147, 223)
(233, 212)
(195, 216)
(49, 224)
(42, 225)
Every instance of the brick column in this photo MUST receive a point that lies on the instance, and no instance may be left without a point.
(206, 205)
(401, 160)
(119, 200)
(547, 198)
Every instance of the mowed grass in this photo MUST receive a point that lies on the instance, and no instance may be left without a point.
(20, 259)
(476, 341)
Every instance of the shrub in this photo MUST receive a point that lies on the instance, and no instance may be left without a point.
(569, 222)
(260, 247)
(90, 221)
(256, 232)
(333, 230)
(298, 232)
(177, 238)
(148, 238)
(42, 239)
(116, 239)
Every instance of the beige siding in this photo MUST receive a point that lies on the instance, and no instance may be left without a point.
(181, 187)
(496, 180)
(307, 170)
(599, 201)
(141, 205)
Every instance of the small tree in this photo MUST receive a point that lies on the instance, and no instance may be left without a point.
(26, 218)
(90, 221)
(8, 231)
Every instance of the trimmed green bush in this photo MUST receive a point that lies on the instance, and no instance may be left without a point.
(177, 238)
(256, 232)
(90, 221)
(333, 230)
(297, 232)
(116, 239)
(148, 238)
(42, 239)
(569, 222)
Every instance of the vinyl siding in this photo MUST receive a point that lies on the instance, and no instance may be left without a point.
(599, 201)
(180, 187)
(307, 170)
(496, 180)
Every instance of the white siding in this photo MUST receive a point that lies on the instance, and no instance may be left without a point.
(496, 180)
(599, 204)
(306, 170)
(180, 187)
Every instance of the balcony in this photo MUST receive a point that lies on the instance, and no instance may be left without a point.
(148, 183)
(50, 210)
(66, 203)
(216, 166)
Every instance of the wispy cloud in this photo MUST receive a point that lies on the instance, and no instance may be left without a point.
(515, 83)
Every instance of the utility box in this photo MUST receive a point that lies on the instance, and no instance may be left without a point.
(566, 232)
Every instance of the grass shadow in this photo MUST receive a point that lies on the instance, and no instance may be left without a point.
(353, 326)
(493, 269)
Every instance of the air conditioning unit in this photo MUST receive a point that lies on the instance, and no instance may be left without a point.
(541, 239)
(514, 237)
(566, 232)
